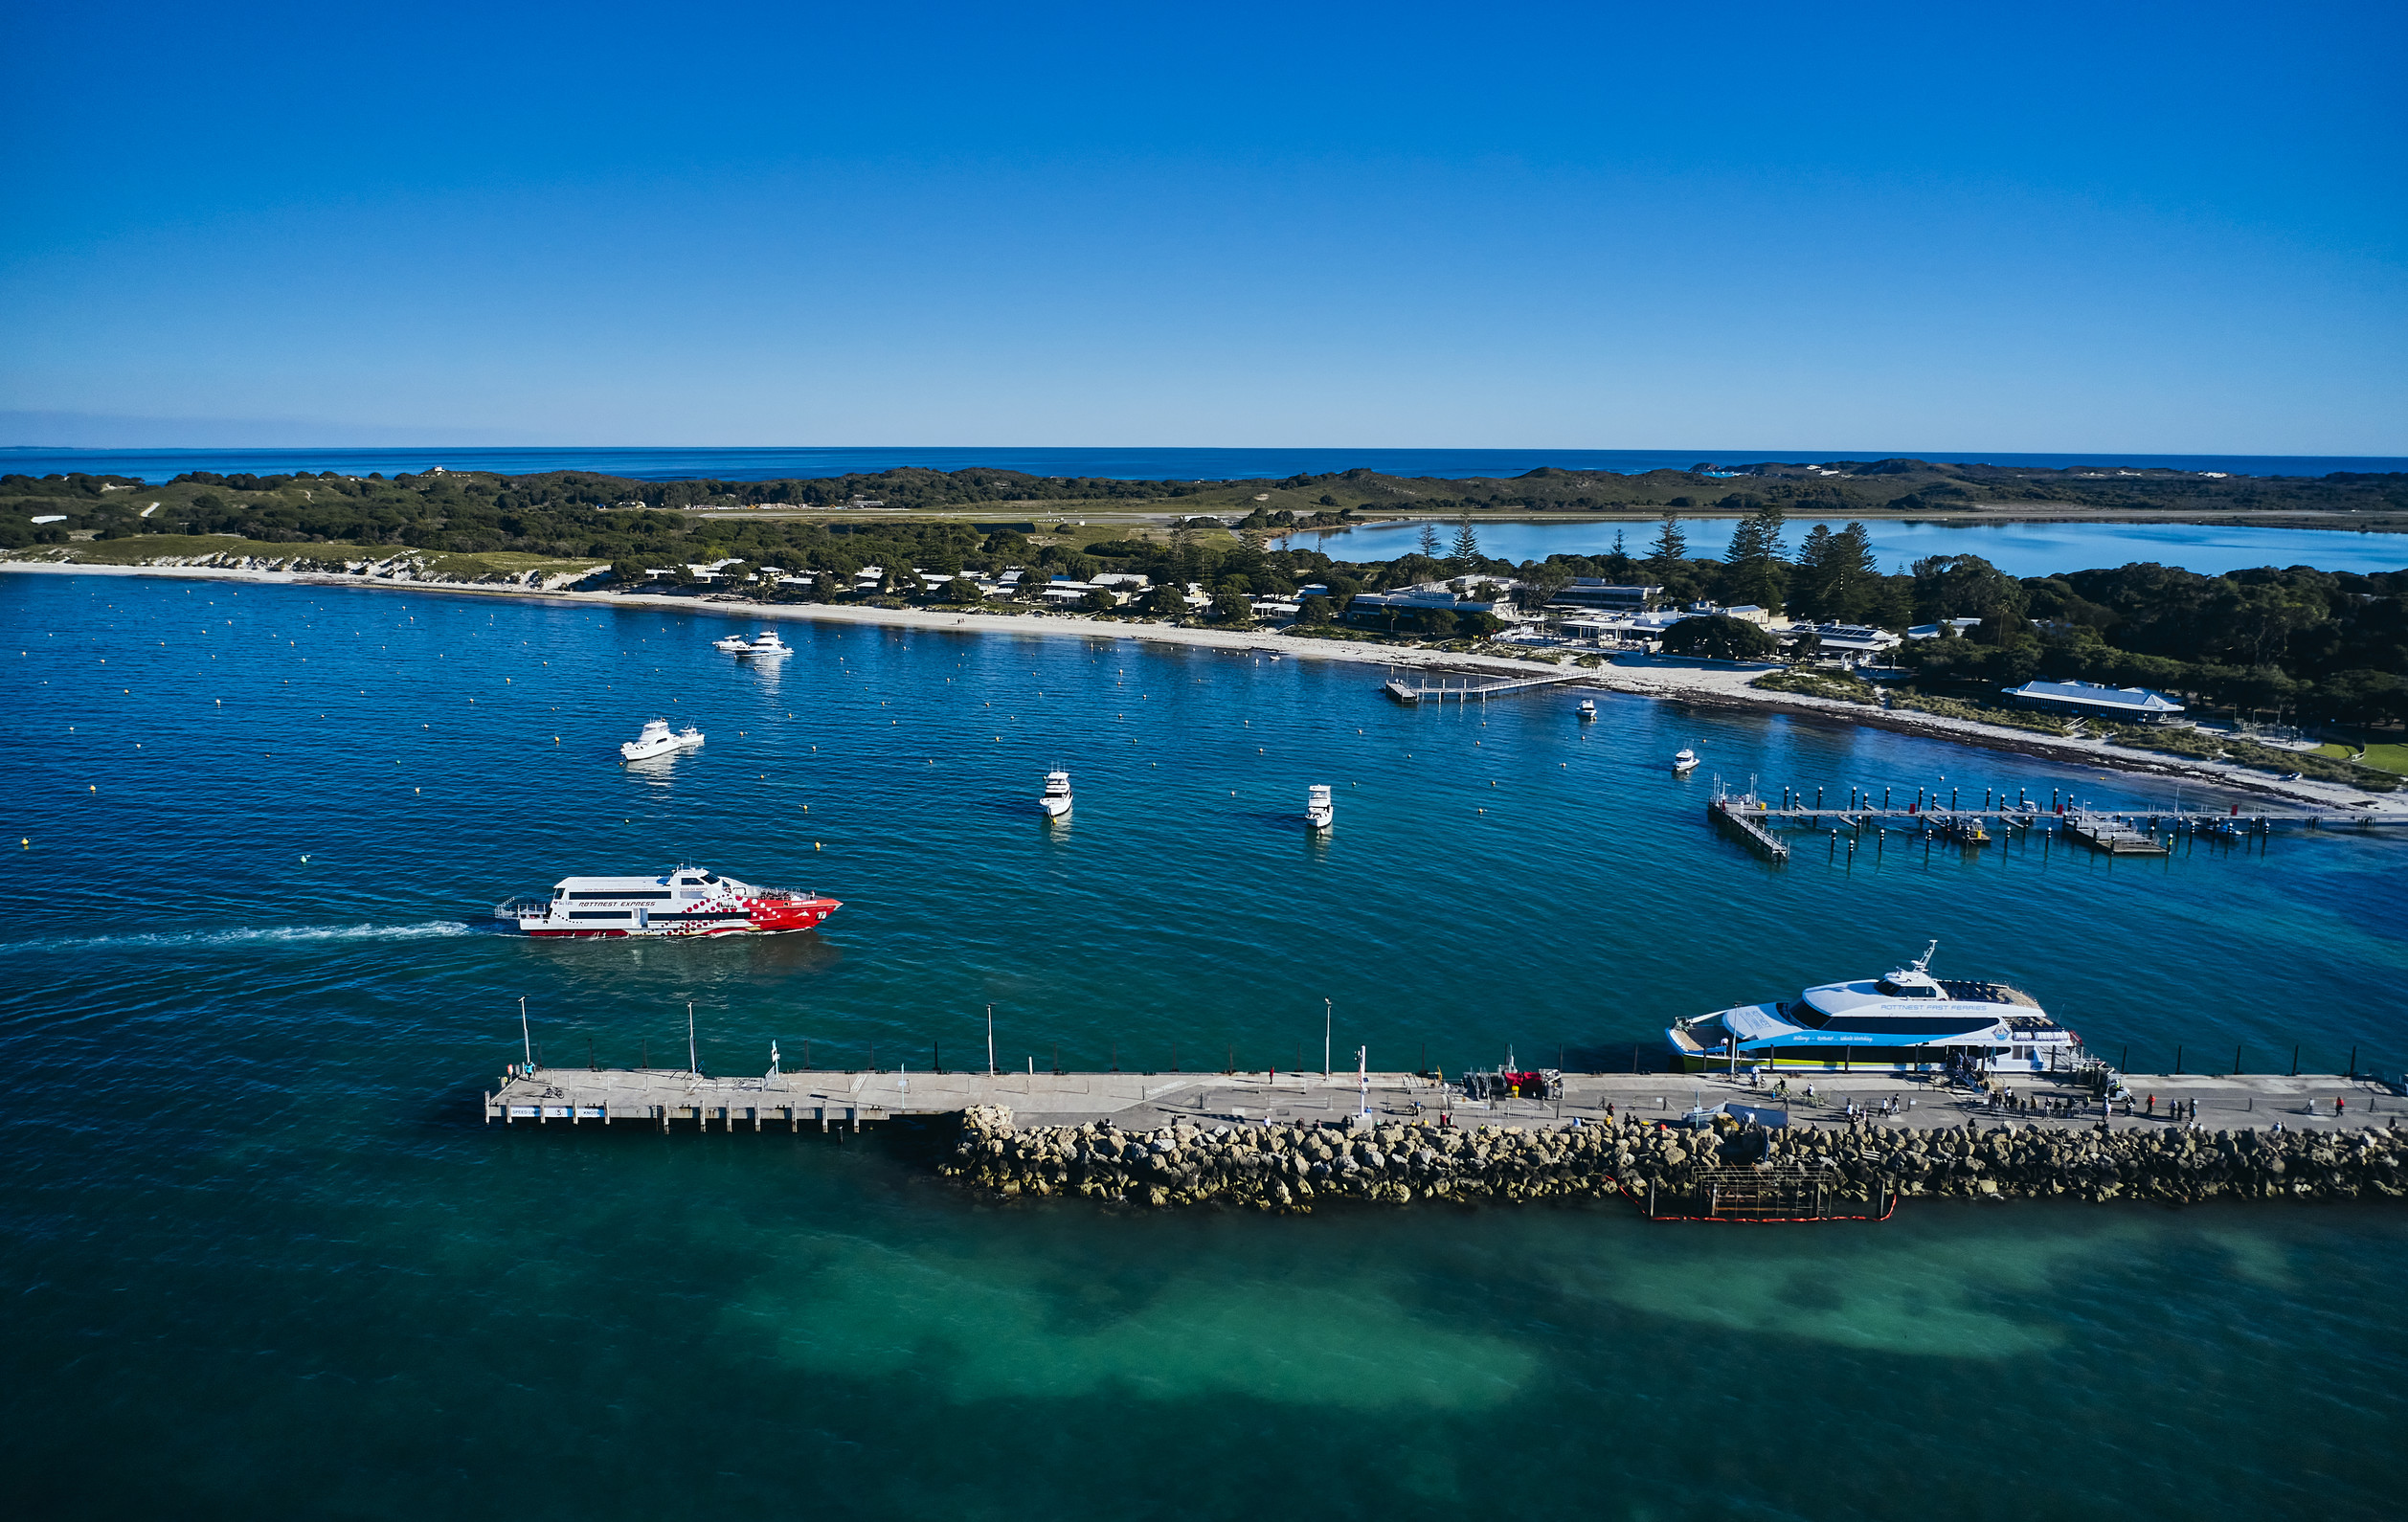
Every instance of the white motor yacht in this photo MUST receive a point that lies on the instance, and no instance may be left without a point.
(657, 740)
(734, 644)
(1904, 1020)
(1320, 812)
(1588, 710)
(767, 643)
(1055, 801)
(1684, 761)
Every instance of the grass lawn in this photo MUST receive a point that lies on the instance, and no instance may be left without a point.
(2381, 757)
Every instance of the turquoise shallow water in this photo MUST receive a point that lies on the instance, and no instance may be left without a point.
(264, 1259)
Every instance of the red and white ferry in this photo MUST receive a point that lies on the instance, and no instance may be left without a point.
(687, 901)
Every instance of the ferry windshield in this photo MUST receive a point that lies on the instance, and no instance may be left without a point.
(1906, 990)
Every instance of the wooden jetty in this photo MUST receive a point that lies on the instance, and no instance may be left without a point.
(2074, 822)
(822, 1101)
(2104, 833)
(1465, 689)
(1739, 815)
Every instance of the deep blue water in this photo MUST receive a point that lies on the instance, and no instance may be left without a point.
(1126, 464)
(263, 1259)
(2019, 550)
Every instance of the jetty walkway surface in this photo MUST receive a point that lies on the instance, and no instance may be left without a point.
(1471, 686)
(820, 1101)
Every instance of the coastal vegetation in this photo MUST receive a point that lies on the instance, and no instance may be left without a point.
(570, 512)
(2291, 644)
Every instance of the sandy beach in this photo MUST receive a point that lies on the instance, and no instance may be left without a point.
(1668, 682)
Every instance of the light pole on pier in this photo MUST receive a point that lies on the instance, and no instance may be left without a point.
(990, 1040)
(525, 1038)
(1325, 1028)
(693, 1063)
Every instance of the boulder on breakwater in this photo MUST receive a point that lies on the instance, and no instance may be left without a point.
(1293, 1167)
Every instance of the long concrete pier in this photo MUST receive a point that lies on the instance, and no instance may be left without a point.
(821, 1100)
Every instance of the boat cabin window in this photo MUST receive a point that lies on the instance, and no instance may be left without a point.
(1906, 990)
(689, 882)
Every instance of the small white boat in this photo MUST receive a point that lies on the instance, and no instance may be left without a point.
(1588, 710)
(1320, 812)
(1684, 761)
(767, 643)
(1055, 801)
(657, 740)
(734, 644)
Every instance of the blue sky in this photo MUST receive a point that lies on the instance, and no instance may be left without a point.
(2142, 228)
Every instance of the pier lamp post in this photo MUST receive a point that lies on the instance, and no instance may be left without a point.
(525, 1038)
(1326, 1017)
(990, 1040)
(693, 1063)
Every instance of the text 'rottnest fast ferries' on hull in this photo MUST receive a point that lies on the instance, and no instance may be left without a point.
(689, 901)
(1905, 1020)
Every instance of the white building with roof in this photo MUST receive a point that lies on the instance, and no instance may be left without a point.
(2096, 701)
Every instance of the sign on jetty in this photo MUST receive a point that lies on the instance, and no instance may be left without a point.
(1678, 1147)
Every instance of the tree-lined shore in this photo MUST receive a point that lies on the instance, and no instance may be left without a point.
(2323, 647)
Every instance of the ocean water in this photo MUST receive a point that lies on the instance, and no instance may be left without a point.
(1122, 464)
(264, 1260)
(2019, 550)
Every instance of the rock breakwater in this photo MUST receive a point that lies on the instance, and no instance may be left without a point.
(1294, 1168)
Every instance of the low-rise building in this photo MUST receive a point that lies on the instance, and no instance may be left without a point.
(2096, 701)
(1595, 591)
(1847, 639)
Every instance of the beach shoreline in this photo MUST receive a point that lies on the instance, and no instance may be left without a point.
(1727, 691)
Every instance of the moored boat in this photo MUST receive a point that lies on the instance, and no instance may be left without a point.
(1320, 812)
(734, 644)
(686, 900)
(767, 643)
(1684, 761)
(1905, 1020)
(657, 740)
(1055, 801)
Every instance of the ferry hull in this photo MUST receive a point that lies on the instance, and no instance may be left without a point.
(765, 920)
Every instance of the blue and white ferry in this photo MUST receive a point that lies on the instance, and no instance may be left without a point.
(1905, 1020)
